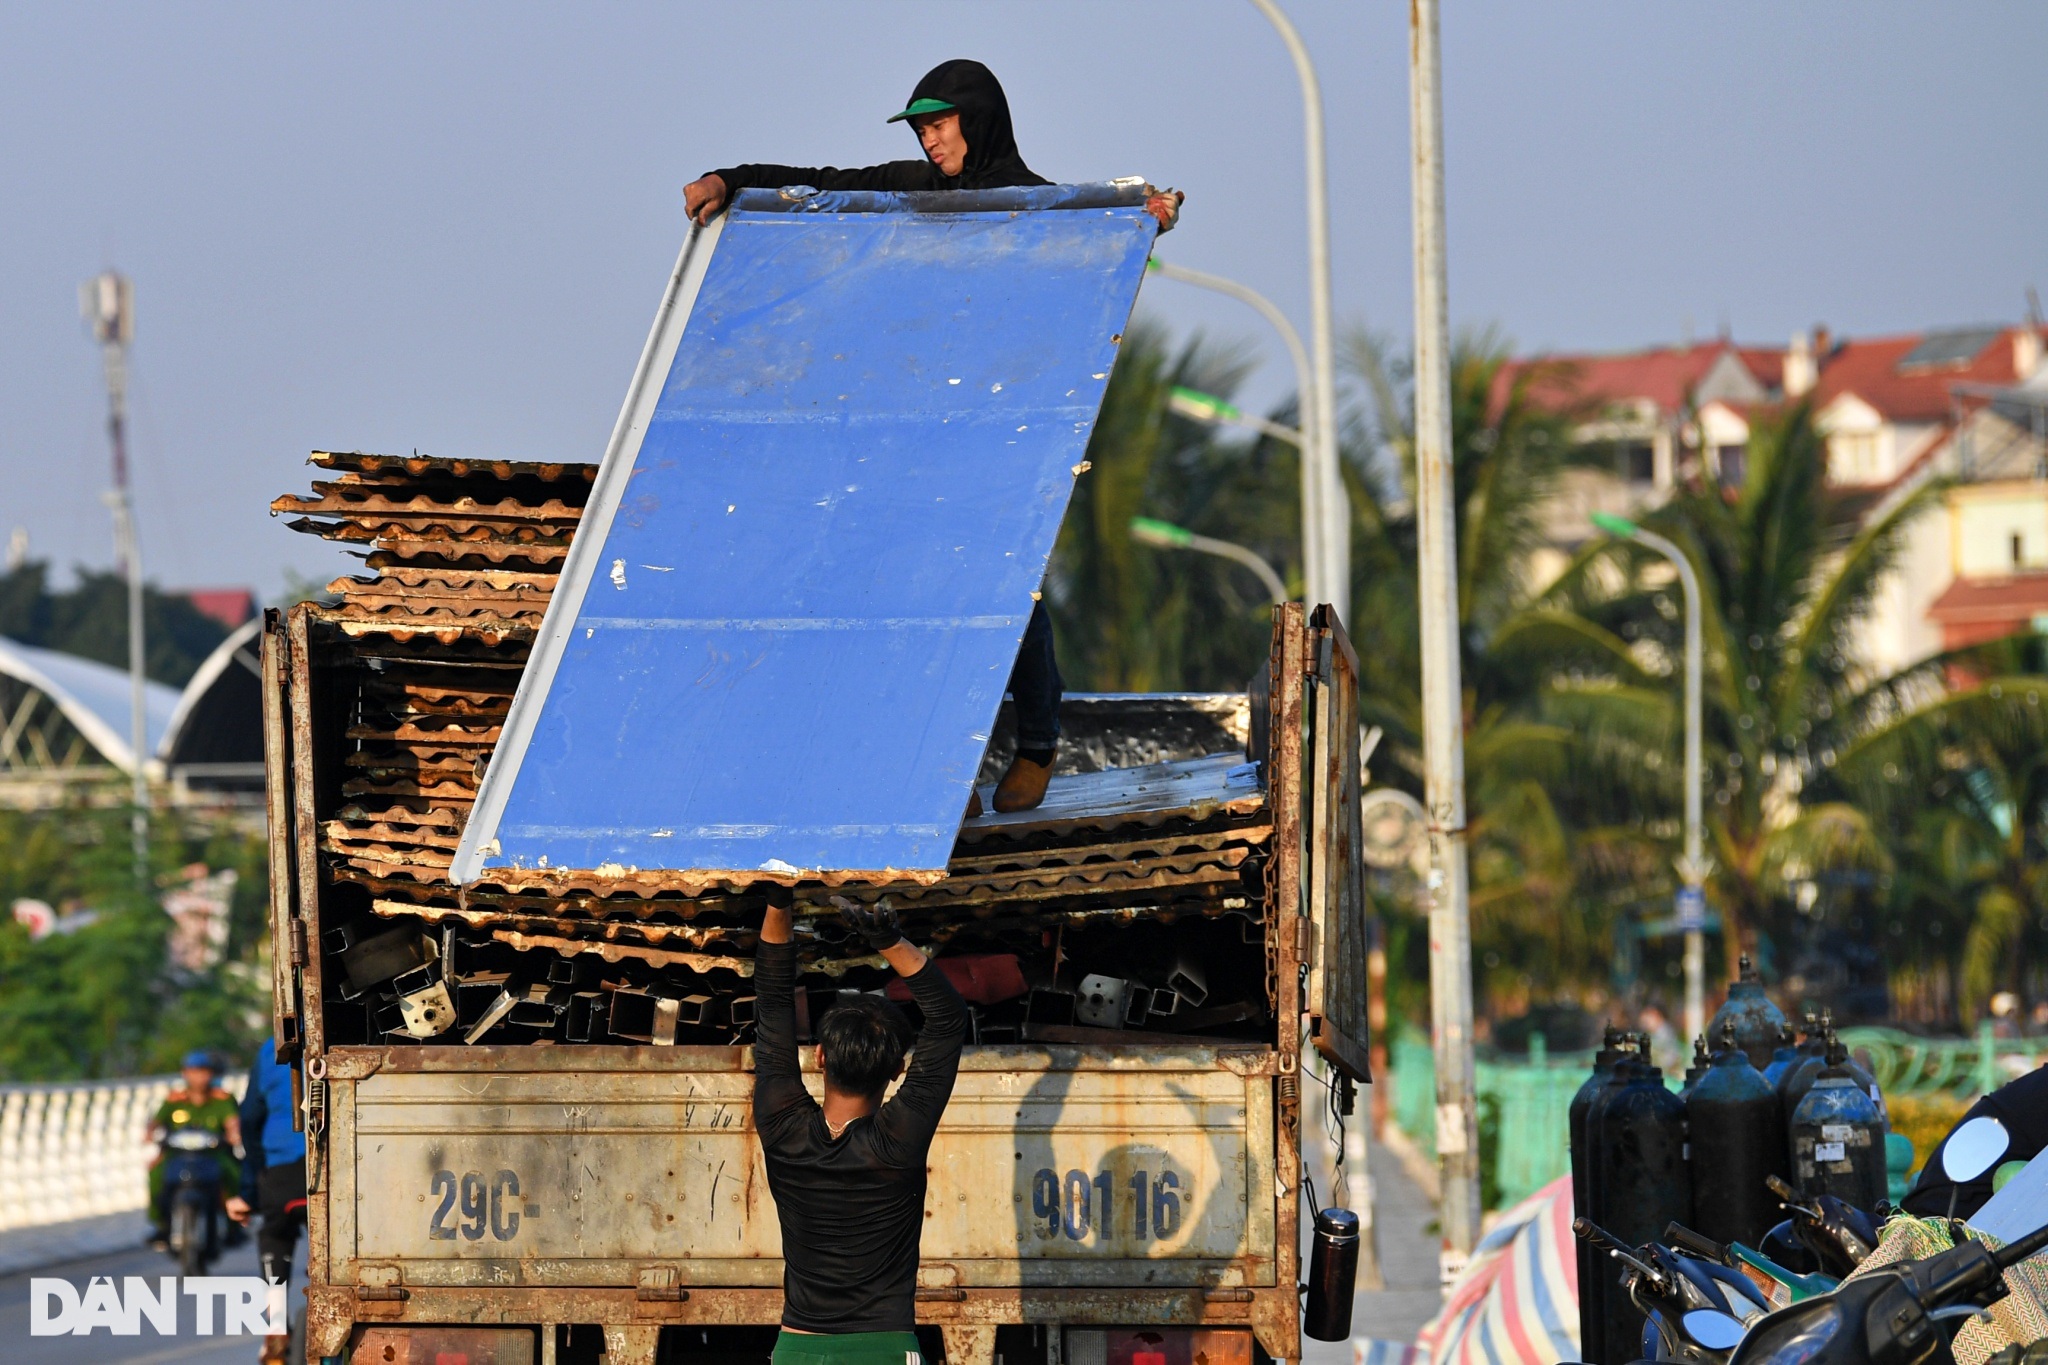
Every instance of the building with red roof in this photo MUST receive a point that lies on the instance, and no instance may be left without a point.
(1967, 403)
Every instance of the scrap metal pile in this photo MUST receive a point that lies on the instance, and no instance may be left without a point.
(1131, 907)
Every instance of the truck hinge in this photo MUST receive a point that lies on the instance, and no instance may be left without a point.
(1304, 937)
(657, 1284)
(298, 942)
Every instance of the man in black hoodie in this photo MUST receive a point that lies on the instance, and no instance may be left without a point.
(962, 121)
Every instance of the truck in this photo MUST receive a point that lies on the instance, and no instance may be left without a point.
(526, 1093)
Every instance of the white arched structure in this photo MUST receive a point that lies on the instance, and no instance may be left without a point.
(92, 702)
(215, 736)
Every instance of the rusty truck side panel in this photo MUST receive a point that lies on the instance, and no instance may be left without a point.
(1061, 1166)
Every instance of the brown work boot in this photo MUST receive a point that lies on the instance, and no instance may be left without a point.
(974, 804)
(1023, 787)
(276, 1351)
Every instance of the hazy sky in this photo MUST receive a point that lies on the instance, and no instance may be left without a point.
(445, 226)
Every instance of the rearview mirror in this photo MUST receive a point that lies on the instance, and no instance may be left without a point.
(1715, 1330)
(1973, 1148)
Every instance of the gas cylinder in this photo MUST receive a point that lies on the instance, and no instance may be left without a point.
(1785, 1057)
(1640, 1182)
(1735, 1136)
(1591, 1271)
(1701, 1060)
(1793, 1085)
(1837, 1138)
(1756, 1019)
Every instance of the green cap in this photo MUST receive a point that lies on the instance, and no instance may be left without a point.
(921, 107)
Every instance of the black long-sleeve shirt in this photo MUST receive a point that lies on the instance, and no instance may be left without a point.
(852, 1210)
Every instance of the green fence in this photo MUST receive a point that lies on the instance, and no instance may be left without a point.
(1524, 1114)
(1960, 1068)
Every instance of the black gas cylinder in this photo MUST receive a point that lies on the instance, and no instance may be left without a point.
(1783, 1059)
(1735, 1134)
(1640, 1183)
(1793, 1085)
(1610, 1065)
(1701, 1060)
(1837, 1138)
(1757, 1021)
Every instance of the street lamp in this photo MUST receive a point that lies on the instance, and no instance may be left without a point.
(1314, 516)
(1334, 557)
(1692, 867)
(107, 302)
(1167, 536)
(1197, 406)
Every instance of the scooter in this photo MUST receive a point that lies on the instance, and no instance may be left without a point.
(1694, 1309)
(192, 1195)
(1898, 1315)
(1771, 1278)
(1823, 1234)
(1907, 1313)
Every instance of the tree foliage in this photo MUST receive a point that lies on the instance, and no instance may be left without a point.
(101, 1001)
(91, 620)
(1925, 786)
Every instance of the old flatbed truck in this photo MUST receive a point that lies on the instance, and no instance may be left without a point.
(540, 1199)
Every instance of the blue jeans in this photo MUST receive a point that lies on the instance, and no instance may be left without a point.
(1035, 684)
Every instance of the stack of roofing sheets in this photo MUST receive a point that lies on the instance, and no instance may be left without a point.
(463, 555)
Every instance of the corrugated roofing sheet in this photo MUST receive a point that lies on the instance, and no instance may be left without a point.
(788, 618)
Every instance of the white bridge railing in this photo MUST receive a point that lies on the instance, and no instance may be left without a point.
(78, 1149)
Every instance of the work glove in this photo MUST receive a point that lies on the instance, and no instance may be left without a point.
(874, 923)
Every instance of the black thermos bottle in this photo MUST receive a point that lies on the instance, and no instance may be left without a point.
(1332, 1271)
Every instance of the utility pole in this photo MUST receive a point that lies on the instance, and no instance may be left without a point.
(1329, 574)
(108, 303)
(1443, 728)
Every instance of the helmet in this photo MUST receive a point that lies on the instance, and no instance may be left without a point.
(199, 1059)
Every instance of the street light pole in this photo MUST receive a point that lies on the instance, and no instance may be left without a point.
(1443, 728)
(1334, 559)
(108, 303)
(1207, 407)
(1167, 536)
(1693, 866)
(1312, 518)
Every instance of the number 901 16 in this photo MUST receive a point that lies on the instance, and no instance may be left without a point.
(1079, 1204)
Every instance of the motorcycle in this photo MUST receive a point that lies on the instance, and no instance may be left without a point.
(192, 1197)
(1823, 1234)
(1771, 1277)
(1694, 1309)
(1906, 1313)
(1901, 1314)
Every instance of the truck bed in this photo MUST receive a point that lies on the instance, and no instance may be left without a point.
(529, 1181)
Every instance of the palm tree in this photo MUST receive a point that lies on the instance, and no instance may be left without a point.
(1788, 567)
(1555, 846)
(1129, 617)
(1953, 765)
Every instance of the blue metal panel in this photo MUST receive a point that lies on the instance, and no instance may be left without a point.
(791, 647)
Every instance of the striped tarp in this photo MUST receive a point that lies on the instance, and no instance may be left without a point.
(1516, 1302)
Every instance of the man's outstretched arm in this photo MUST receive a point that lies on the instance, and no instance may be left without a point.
(706, 196)
(778, 1079)
(912, 1115)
